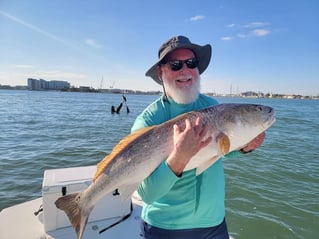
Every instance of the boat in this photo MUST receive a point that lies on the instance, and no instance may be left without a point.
(112, 217)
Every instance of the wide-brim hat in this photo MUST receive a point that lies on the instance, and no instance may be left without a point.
(203, 53)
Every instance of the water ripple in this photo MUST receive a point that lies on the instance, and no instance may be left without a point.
(270, 193)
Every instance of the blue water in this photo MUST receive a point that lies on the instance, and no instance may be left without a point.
(270, 193)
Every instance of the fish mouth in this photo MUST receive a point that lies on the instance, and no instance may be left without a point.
(269, 121)
(272, 121)
(272, 116)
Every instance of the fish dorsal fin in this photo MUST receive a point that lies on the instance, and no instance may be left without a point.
(223, 143)
(103, 164)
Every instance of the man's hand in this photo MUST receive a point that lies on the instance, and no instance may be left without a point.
(187, 143)
(255, 143)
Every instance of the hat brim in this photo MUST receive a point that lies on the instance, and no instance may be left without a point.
(202, 52)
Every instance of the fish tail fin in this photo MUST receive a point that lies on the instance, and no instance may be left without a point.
(77, 215)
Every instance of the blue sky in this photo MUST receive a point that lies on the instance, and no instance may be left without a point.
(269, 46)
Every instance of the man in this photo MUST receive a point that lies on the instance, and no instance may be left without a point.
(180, 204)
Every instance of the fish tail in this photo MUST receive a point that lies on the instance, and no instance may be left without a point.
(77, 215)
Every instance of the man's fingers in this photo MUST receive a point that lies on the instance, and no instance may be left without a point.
(206, 142)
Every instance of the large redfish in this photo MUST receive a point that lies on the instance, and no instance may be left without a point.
(231, 127)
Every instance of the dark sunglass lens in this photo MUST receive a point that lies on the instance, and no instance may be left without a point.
(192, 63)
(176, 65)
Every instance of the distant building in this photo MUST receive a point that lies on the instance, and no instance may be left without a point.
(84, 88)
(34, 84)
(58, 85)
(252, 94)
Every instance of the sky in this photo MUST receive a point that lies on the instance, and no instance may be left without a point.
(263, 46)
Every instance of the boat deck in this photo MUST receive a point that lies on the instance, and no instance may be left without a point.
(20, 221)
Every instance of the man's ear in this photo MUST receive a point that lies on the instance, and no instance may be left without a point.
(159, 72)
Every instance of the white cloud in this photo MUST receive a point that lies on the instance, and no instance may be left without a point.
(92, 43)
(253, 29)
(226, 38)
(260, 32)
(197, 18)
(254, 33)
(256, 24)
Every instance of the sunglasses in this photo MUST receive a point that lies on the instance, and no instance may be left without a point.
(176, 65)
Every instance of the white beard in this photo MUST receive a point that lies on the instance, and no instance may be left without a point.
(185, 95)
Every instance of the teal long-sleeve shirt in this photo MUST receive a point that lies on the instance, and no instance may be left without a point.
(189, 201)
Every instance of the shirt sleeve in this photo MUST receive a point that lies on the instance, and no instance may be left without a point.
(139, 124)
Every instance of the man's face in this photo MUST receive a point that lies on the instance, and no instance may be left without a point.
(181, 85)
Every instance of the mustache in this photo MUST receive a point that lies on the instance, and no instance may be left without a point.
(182, 77)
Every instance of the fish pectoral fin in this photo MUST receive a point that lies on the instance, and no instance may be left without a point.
(127, 191)
(201, 168)
(223, 143)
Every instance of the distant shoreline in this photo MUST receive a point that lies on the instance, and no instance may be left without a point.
(249, 94)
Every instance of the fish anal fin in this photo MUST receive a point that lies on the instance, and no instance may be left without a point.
(104, 163)
(127, 191)
(78, 218)
(201, 168)
(223, 143)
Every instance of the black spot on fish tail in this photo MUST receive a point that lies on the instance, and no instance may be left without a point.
(70, 205)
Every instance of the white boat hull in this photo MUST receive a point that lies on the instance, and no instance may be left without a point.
(22, 221)
(19, 222)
